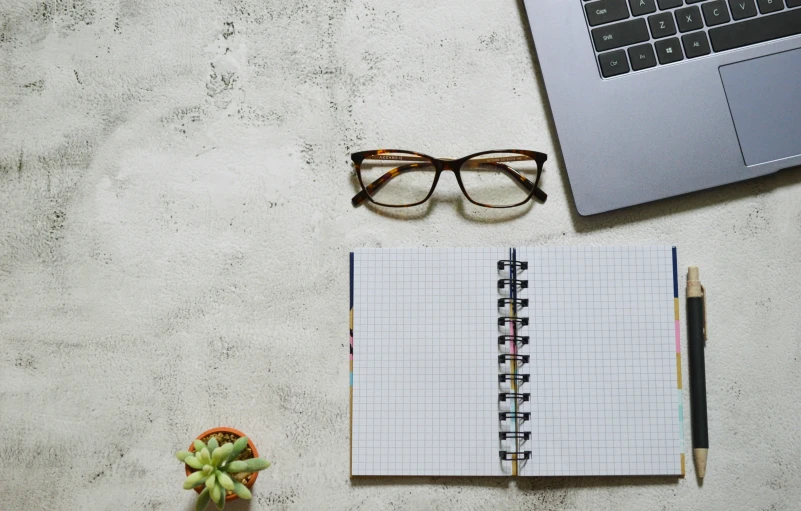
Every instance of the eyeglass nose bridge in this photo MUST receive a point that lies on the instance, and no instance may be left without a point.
(447, 164)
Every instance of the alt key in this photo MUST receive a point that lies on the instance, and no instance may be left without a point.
(613, 63)
(695, 44)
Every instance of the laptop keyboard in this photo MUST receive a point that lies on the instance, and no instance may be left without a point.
(632, 35)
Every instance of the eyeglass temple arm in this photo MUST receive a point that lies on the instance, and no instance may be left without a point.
(376, 185)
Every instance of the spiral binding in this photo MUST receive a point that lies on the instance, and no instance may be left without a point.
(508, 263)
(517, 378)
(506, 320)
(505, 416)
(512, 283)
(506, 357)
(522, 396)
(518, 302)
(506, 435)
(512, 364)
(515, 455)
(522, 340)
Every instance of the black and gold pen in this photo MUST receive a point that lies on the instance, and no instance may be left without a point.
(696, 333)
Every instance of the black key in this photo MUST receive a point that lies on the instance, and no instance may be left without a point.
(668, 50)
(793, 3)
(693, 1)
(768, 6)
(662, 25)
(640, 7)
(606, 11)
(715, 13)
(695, 45)
(616, 35)
(765, 28)
(642, 56)
(689, 18)
(741, 9)
(613, 63)
(669, 4)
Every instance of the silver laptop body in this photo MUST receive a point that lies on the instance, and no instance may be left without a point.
(681, 116)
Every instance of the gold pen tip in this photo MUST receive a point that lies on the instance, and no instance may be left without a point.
(700, 461)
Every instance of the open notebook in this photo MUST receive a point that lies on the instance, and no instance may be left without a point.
(534, 361)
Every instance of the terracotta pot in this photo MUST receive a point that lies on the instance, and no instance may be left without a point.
(250, 480)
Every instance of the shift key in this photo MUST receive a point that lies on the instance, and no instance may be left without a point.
(620, 34)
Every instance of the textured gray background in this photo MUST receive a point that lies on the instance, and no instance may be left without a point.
(174, 231)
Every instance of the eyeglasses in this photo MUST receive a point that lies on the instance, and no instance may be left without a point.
(400, 179)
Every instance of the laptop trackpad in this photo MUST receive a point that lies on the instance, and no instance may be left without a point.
(765, 103)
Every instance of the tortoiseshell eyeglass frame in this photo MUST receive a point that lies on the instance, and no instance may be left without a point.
(442, 164)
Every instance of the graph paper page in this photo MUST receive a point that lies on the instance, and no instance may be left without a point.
(425, 362)
(604, 395)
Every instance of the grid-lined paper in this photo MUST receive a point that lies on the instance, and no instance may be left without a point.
(604, 389)
(425, 362)
(603, 362)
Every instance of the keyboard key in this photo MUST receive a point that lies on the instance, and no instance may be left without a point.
(640, 7)
(765, 28)
(793, 3)
(616, 35)
(613, 63)
(642, 57)
(669, 4)
(689, 18)
(606, 11)
(693, 1)
(768, 6)
(741, 9)
(715, 13)
(668, 50)
(695, 45)
(662, 25)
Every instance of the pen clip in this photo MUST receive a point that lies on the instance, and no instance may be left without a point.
(703, 300)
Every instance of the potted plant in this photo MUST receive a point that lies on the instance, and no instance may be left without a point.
(221, 465)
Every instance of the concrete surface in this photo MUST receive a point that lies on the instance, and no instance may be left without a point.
(175, 222)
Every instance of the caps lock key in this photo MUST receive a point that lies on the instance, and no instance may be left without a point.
(606, 11)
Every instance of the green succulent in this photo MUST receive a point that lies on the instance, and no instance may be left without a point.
(215, 465)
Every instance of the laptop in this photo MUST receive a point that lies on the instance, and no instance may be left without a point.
(657, 98)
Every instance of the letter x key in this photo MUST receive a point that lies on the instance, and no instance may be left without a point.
(689, 19)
